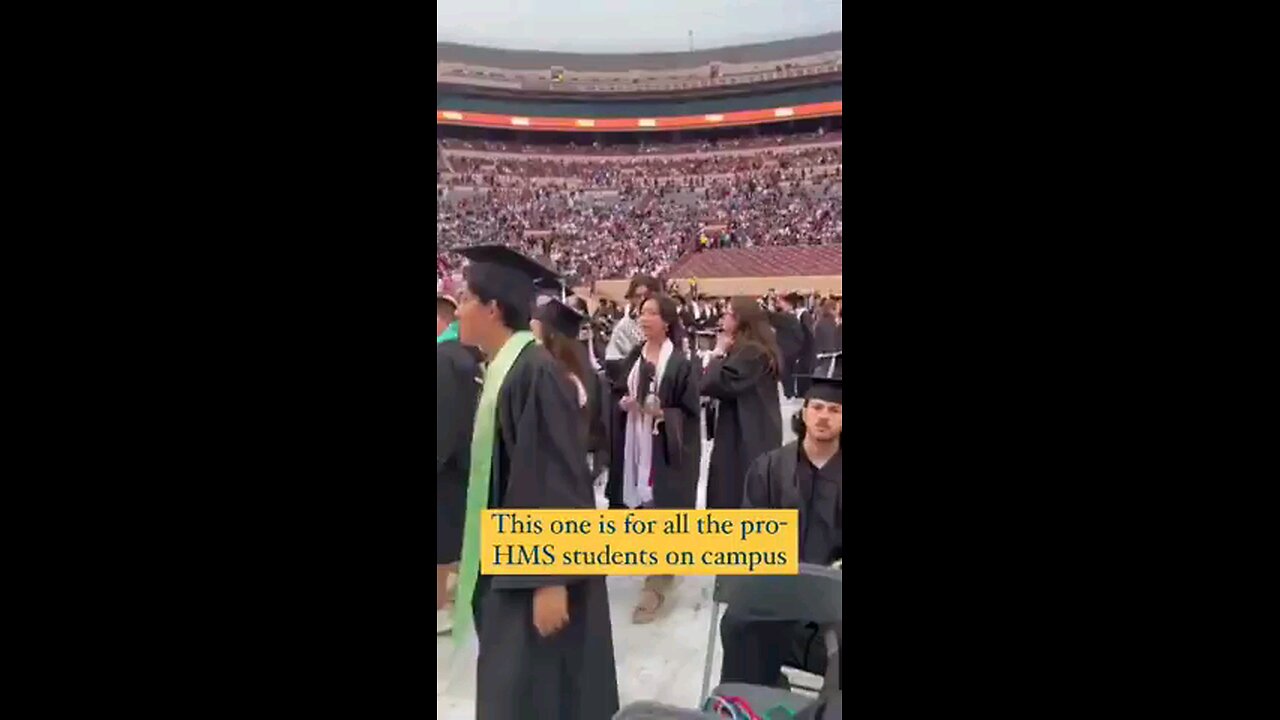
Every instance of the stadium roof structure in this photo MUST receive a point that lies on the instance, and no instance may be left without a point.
(536, 59)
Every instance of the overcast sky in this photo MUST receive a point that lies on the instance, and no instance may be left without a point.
(630, 25)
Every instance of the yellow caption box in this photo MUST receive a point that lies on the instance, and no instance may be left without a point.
(639, 542)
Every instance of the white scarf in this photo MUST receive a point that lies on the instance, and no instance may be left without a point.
(591, 352)
(637, 461)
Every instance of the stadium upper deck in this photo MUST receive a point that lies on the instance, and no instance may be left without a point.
(786, 63)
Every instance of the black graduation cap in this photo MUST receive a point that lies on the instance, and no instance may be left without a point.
(562, 318)
(828, 389)
(497, 271)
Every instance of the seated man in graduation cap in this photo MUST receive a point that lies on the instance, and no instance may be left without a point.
(805, 475)
(546, 649)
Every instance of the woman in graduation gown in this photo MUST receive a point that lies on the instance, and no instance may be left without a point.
(590, 346)
(546, 648)
(556, 326)
(742, 375)
(661, 440)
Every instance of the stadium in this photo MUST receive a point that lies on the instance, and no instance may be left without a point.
(717, 172)
(722, 166)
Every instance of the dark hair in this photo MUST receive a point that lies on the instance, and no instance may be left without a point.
(513, 316)
(670, 315)
(564, 350)
(644, 281)
(755, 331)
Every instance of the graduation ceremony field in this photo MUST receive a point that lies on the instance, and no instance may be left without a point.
(660, 661)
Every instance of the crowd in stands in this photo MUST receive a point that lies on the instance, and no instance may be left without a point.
(641, 232)
(441, 163)
(604, 219)
(789, 164)
(740, 143)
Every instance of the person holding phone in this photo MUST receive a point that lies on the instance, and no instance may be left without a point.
(662, 443)
(742, 377)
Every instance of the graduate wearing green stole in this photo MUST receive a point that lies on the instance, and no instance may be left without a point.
(545, 641)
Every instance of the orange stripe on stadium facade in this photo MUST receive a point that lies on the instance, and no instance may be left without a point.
(680, 122)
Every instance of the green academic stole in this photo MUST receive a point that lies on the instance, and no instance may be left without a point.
(450, 333)
(480, 478)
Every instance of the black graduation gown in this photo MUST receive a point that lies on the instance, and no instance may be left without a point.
(776, 480)
(748, 421)
(457, 392)
(805, 362)
(594, 429)
(790, 338)
(755, 651)
(690, 328)
(615, 388)
(521, 675)
(826, 336)
(677, 449)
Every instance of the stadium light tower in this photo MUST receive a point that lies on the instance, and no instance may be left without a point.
(690, 41)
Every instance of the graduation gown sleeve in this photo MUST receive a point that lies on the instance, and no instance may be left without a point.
(545, 466)
(448, 396)
(748, 421)
(734, 374)
(521, 675)
(757, 491)
(771, 480)
(756, 494)
(677, 461)
(457, 391)
(682, 411)
(826, 336)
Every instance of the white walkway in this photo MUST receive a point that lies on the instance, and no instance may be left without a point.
(661, 661)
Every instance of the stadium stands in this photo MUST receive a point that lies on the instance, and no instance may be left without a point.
(464, 146)
(798, 59)
(441, 162)
(712, 201)
(609, 171)
(602, 217)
